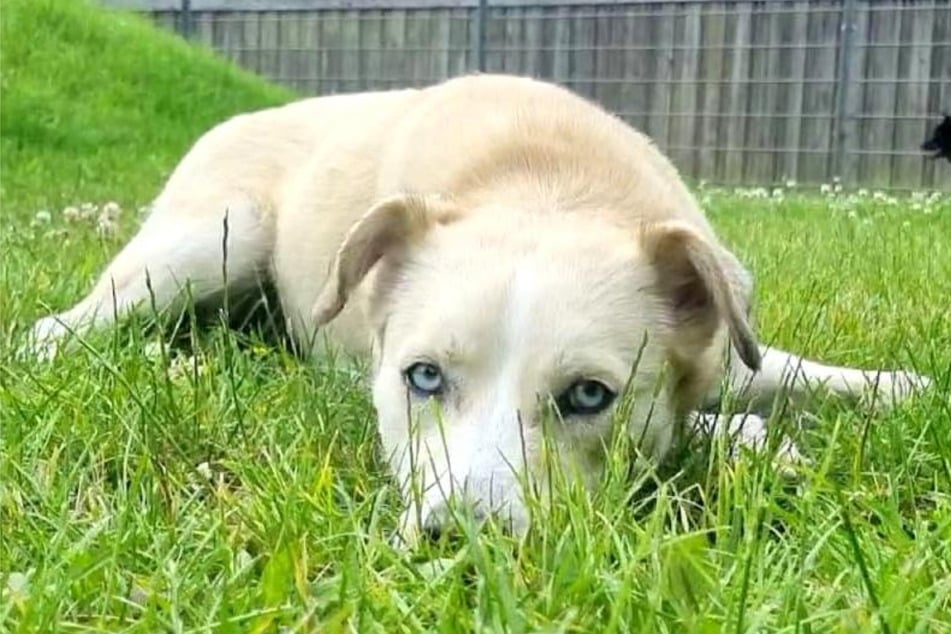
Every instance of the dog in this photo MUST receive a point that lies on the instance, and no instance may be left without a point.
(503, 251)
(940, 141)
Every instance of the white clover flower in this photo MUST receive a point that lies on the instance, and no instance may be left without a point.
(105, 228)
(87, 211)
(825, 188)
(111, 210)
(71, 214)
(184, 366)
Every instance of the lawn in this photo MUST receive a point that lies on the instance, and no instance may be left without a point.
(225, 485)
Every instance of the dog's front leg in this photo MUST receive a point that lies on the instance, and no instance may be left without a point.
(784, 376)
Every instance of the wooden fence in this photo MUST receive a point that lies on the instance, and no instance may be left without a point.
(735, 92)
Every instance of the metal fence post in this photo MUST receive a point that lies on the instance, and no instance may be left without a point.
(186, 18)
(482, 14)
(844, 80)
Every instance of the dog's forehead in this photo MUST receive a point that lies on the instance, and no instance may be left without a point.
(559, 302)
(554, 271)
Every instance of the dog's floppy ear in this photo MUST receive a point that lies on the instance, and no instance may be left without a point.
(692, 280)
(388, 228)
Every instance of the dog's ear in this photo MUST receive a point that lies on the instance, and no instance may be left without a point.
(390, 227)
(693, 281)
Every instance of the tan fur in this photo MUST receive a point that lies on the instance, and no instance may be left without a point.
(503, 229)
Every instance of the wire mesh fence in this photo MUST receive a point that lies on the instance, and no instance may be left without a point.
(736, 92)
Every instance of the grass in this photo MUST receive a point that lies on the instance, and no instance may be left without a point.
(228, 486)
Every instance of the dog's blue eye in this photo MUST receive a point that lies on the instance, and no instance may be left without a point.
(585, 398)
(425, 379)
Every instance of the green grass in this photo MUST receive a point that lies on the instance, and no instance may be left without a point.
(110, 523)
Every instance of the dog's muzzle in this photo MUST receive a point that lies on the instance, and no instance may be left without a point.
(467, 510)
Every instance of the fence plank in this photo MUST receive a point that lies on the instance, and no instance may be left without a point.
(495, 40)
(583, 53)
(640, 75)
(739, 88)
(880, 93)
(793, 91)
(532, 39)
(561, 50)
(459, 43)
(685, 95)
(758, 158)
(663, 44)
(249, 47)
(309, 31)
(816, 142)
(439, 60)
(395, 59)
(856, 95)
(605, 56)
(204, 30)
(512, 40)
(350, 52)
(287, 44)
(912, 104)
(714, 40)
(371, 45)
(268, 45)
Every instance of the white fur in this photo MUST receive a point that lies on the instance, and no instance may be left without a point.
(505, 229)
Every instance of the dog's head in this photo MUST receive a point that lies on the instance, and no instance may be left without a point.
(500, 336)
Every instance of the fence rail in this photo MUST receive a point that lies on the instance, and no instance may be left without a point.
(737, 92)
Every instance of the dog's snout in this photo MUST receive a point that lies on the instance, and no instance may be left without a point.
(442, 524)
(441, 529)
(433, 531)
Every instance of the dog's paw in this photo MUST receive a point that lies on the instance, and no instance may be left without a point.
(47, 338)
(42, 343)
(749, 432)
(887, 390)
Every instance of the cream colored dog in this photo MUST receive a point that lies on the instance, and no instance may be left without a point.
(505, 250)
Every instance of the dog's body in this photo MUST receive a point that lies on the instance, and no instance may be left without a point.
(500, 246)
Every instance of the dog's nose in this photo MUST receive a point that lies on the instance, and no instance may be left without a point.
(432, 532)
(443, 533)
(441, 525)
